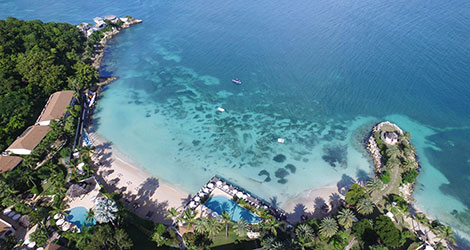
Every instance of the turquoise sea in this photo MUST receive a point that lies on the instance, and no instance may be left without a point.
(317, 73)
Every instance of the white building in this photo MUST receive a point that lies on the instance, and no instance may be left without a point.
(111, 18)
(56, 107)
(29, 140)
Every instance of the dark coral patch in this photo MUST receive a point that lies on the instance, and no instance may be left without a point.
(264, 172)
(282, 181)
(291, 168)
(196, 142)
(279, 158)
(281, 173)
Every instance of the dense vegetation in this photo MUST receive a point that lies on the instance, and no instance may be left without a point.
(36, 59)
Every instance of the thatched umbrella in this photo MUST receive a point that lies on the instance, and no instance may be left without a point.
(76, 190)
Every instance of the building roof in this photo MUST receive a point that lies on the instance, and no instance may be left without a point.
(110, 17)
(4, 226)
(53, 246)
(391, 135)
(98, 19)
(8, 163)
(30, 138)
(56, 105)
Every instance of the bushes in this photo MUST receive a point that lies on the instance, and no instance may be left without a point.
(409, 176)
(22, 208)
(385, 177)
(388, 233)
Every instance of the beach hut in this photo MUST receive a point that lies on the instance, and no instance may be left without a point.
(56, 106)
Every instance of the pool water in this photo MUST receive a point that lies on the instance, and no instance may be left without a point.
(77, 216)
(219, 204)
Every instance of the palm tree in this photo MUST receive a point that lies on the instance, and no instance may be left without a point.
(408, 164)
(213, 227)
(445, 233)
(172, 214)
(392, 163)
(304, 235)
(122, 239)
(271, 225)
(374, 184)
(189, 217)
(200, 225)
(226, 220)
(241, 228)
(392, 152)
(365, 206)
(328, 227)
(346, 217)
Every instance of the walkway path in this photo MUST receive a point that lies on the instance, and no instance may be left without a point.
(391, 185)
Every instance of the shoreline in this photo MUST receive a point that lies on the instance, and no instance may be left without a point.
(146, 195)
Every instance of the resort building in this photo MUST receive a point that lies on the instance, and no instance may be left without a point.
(29, 140)
(5, 229)
(390, 138)
(100, 24)
(8, 163)
(84, 28)
(111, 18)
(56, 107)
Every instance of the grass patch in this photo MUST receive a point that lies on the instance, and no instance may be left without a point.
(232, 241)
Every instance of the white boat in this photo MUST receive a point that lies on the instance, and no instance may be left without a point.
(220, 109)
(237, 81)
(280, 140)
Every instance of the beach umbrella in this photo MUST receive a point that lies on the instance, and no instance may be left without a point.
(60, 222)
(234, 191)
(206, 190)
(32, 244)
(218, 183)
(66, 227)
(201, 194)
(16, 217)
(210, 185)
(197, 198)
(26, 242)
(192, 204)
(6, 211)
(239, 194)
(56, 216)
(225, 187)
(244, 196)
(40, 248)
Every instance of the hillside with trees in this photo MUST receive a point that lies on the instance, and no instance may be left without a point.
(36, 59)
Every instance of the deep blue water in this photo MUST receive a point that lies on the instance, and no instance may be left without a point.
(221, 204)
(318, 73)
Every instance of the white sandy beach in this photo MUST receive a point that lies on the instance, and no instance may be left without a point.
(144, 192)
(312, 203)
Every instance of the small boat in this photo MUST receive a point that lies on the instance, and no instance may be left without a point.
(281, 140)
(237, 81)
(220, 109)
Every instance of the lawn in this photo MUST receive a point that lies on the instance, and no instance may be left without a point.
(232, 241)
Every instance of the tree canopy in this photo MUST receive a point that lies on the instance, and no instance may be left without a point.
(36, 59)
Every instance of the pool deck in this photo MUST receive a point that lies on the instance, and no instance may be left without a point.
(218, 186)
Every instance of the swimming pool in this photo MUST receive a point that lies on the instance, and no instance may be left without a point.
(219, 204)
(77, 216)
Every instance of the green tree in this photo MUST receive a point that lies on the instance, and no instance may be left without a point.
(392, 152)
(328, 227)
(188, 217)
(304, 234)
(227, 221)
(122, 239)
(385, 177)
(445, 233)
(409, 176)
(241, 228)
(388, 233)
(213, 227)
(158, 235)
(355, 193)
(172, 214)
(270, 226)
(374, 184)
(365, 206)
(85, 74)
(346, 217)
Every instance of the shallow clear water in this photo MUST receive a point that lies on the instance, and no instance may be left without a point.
(221, 204)
(317, 73)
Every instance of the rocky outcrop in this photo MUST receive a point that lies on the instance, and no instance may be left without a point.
(372, 146)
